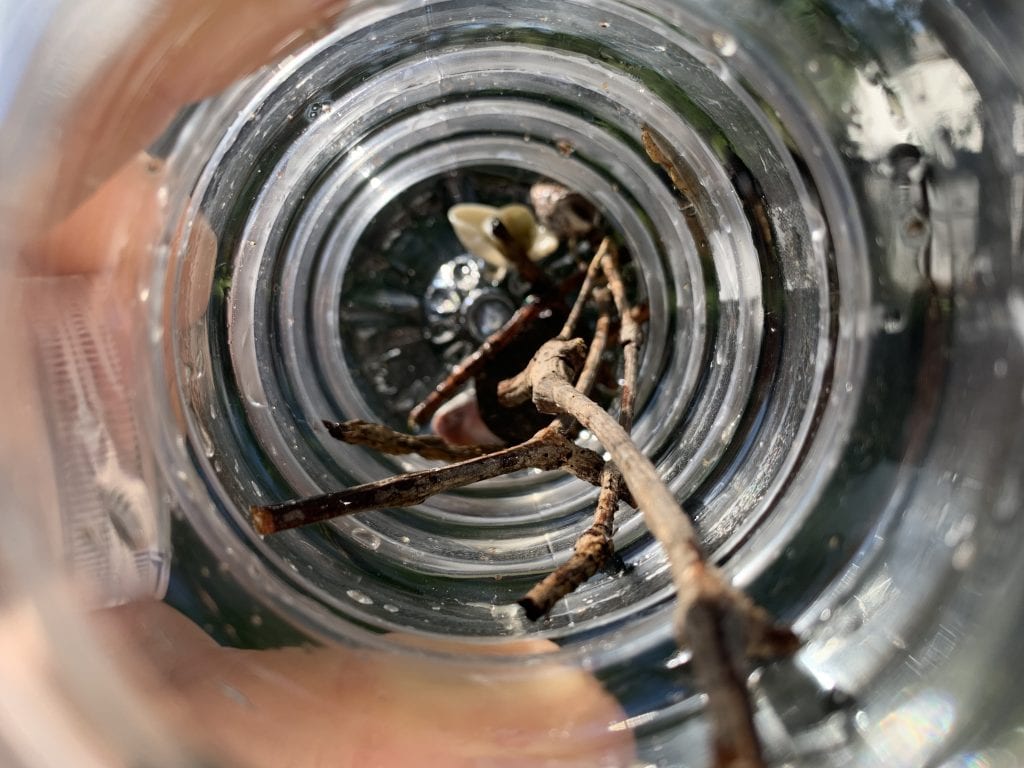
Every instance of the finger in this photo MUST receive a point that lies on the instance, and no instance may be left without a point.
(341, 707)
(109, 229)
(189, 50)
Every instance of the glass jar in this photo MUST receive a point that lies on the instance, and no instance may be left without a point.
(831, 379)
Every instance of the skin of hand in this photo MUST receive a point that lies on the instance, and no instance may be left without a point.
(329, 706)
(341, 707)
(459, 422)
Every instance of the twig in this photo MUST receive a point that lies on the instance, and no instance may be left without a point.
(720, 624)
(547, 450)
(470, 366)
(593, 270)
(655, 148)
(630, 336)
(595, 356)
(595, 546)
(384, 440)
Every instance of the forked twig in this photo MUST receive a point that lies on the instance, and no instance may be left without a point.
(720, 624)
(724, 629)
(589, 280)
(594, 548)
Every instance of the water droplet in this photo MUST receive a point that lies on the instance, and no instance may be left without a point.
(443, 301)
(724, 43)
(893, 321)
(367, 538)
(861, 720)
(390, 608)
(316, 110)
(963, 555)
(678, 659)
(359, 597)
(1000, 368)
(256, 620)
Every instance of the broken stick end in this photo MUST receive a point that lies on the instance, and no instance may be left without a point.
(335, 429)
(419, 415)
(532, 608)
(262, 520)
(776, 641)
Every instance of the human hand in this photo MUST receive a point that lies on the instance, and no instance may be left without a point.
(337, 706)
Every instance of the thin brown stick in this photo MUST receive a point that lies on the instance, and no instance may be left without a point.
(603, 329)
(593, 270)
(630, 336)
(656, 150)
(547, 450)
(595, 546)
(517, 389)
(382, 439)
(721, 625)
(471, 365)
(598, 344)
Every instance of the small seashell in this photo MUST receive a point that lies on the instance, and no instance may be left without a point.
(473, 225)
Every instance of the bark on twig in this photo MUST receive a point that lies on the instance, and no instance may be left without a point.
(595, 546)
(384, 440)
(470, 366)
(593, 270)
(547, 450)
(720, 624)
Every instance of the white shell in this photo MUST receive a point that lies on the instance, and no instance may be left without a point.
(472, 225)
